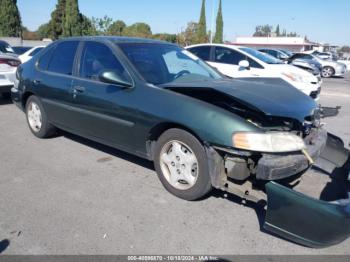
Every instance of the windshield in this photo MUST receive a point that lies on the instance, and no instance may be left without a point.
(5, 48)
(288, 53)
(164, 63)
(268, 59)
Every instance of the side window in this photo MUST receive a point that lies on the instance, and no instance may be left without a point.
(203, 52)
(97, 57)
(228, 56)
(63, 58)
(46, 58)
(254, 64)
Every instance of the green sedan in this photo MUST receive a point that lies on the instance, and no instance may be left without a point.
(252, 138)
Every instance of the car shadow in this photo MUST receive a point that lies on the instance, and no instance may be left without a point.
(109, 150)
(5, 100)
(4, 245)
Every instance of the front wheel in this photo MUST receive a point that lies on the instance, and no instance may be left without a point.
(182, 165)
(327, 71)
(37, 118)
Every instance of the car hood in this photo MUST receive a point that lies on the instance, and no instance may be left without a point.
(271, 96)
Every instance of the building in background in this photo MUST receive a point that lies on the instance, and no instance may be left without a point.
(294, 44)
(17, 41)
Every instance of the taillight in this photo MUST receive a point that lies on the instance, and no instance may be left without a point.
(10, 62)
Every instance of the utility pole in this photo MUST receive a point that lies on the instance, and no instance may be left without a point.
(212, 21)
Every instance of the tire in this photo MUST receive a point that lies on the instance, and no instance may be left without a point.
(34, 112)
(190, 159)
(328, 72)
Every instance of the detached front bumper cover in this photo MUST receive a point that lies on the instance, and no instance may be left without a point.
(309, 221)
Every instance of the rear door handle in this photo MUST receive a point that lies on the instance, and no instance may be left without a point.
(37, 81)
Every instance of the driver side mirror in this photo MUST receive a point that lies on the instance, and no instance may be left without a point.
(244, 64)
(113, 78)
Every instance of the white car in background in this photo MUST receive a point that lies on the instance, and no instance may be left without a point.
(8, 67)
(30, 53)
(240, 62)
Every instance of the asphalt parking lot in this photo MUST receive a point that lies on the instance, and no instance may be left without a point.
(67, 195)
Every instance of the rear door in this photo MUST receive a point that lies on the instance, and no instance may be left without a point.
(101, 108)
(54, 80)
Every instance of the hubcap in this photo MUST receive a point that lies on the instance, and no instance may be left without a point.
(179, 165)
(327, 72)
(34, 117)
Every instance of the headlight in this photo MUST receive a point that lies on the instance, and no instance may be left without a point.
(274, 142)
(294, 77)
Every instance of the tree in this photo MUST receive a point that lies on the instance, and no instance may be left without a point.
(172, 38)
(190, 35)
(102, 24)
(10, 19)
(219, 33)
(117, 28)
(56, 22)
(202, 26)
(138, 30)
(87, 26)
(345, 49)
(44, 31)
(263, 30)
(72, 19)
(278, 33)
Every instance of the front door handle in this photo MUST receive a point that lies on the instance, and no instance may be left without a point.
(79, 89)
(37, 81)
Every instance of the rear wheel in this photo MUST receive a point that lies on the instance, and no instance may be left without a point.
(181, 164)
(37, 118)
(327, 71)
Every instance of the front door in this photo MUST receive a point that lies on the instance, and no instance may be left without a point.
(101, 108)
(227, 62)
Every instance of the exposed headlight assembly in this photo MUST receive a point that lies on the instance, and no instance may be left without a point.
(294, 77)
(273, 142)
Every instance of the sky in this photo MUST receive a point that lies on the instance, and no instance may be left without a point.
(320, 20)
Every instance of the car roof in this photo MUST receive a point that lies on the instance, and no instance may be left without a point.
(3, 42)
(235, 47)
(118, 39)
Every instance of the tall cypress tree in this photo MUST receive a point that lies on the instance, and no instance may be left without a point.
(57, 17)
(72, 19)
(278, 32)
(10, 19)
(219, 33)
(202, 26)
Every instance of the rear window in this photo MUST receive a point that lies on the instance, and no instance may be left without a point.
(62, 59)
(6, 48)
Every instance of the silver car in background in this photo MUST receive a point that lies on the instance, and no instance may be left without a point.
(329, 68)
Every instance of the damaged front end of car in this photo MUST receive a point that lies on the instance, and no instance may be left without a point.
(307, 200)
(291, 162)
